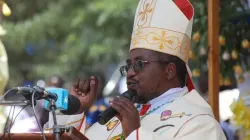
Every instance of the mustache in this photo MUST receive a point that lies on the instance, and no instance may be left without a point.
(132, 81)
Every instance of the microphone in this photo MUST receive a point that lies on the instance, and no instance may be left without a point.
(39, 93)
(66, 103)
(73, 106)
(108, 114)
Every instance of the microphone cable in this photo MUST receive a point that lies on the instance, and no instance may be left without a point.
(5, 94)
(6, 123)
(12, 121)
(17, 116)
(34, 111)
(6, 128)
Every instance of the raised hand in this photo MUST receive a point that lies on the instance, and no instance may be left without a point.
(85, 90)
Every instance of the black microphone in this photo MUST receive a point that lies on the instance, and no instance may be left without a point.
(108, 114)
(73, 106)
(68, 104)
(39, 93)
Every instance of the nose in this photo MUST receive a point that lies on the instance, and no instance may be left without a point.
(131, 73)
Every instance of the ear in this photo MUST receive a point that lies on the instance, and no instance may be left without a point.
(171, 71)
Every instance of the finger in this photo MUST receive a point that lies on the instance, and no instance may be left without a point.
(118, 108)
(85, 88)
(119, 117)
(93, 86)
(81, 83)
(76, 84)
(124, 102)
(127, 105)
(123, 105)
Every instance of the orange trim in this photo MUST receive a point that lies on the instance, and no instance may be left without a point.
(137, 134)
(188, 121)
(80, 126)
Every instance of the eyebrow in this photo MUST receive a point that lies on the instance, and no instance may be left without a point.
(139, 58)
(136, 58)
(128, 61)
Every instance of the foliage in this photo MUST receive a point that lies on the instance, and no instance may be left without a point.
(66, 37)
(233, 40)
(70, 37)
(241, 117)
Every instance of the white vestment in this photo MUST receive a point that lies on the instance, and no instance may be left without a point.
(175, 115)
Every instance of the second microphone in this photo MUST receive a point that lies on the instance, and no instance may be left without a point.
(108, 114)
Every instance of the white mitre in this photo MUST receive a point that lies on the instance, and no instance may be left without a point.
(164, 26)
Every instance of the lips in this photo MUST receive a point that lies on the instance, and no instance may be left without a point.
(131, 84)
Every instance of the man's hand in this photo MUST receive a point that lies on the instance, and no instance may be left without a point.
(128, 114)
(86, 91)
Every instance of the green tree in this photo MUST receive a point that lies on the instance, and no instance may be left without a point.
(66, 37)
(233, 40)
(73, 37)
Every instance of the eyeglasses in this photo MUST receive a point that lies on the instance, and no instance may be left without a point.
(137, 66)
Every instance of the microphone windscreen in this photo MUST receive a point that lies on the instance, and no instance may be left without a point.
(73, 106)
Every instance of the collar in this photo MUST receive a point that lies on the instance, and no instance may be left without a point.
(169, 95)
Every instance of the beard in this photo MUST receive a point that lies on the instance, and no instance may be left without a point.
(145, 98)
(139, 100)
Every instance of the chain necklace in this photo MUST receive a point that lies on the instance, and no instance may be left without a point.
(150, 111)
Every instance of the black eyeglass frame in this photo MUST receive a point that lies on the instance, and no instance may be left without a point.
(137, 66)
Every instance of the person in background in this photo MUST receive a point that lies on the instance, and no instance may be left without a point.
(55, 81)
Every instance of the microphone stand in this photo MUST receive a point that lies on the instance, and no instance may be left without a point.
(57, 129)
(15, 103)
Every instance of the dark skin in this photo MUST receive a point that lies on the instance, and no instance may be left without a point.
(155, 79)
(86, 91)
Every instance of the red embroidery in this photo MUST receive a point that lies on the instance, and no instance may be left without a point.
(144, 109)
(190, 84)
(186, 7)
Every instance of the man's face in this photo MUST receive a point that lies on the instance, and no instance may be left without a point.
(149, 80)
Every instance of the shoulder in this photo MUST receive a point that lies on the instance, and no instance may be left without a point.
(192, 102)
(199, 126)
(199, 120)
